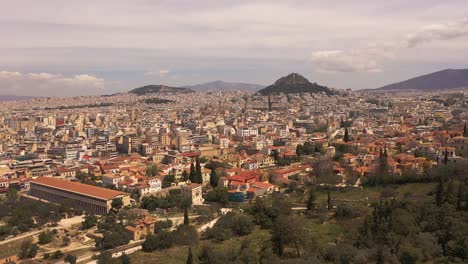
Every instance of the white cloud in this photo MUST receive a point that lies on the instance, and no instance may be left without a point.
(371, 59)
(40, 84)
(438, 32)
(343, 61)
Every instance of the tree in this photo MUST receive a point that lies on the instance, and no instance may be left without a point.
(460, 195)
(190, 256)
(186, 218)
(28, 249)
(310, 204)
(185, 235)
(45, 237)
(12, 195)
(287, 230)
(198, 174)
(163, 241)
(192, 175)
(70, 259)
(90, 220)
(446, 156)
(439, 195)
(346, 135)
(185, 176)
(117, 204)
(152, 170)
(125, 259)
(218, 195)
(105, 257)
(214, 178)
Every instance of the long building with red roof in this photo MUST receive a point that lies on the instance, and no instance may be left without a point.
(89, 198)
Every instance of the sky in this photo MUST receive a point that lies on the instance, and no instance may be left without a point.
(90, 47)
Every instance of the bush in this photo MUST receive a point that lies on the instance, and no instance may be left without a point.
(45, 238)
(344, 211)
(162, 241)
(185, 235)
(28, 249)
(229, 225)
(162, 225)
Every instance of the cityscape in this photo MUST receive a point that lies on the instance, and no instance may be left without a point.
(97, 167)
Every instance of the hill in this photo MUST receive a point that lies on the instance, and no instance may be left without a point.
(294, 83)
(441, 80)
(161, 89)
(225, 86)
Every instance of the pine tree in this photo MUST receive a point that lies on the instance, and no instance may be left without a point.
(346, 135)
(192, 175)
(190, 256)
(214, 178)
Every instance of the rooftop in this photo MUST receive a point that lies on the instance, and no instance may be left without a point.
(76, 187)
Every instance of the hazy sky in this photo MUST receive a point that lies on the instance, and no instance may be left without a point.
(65, 48)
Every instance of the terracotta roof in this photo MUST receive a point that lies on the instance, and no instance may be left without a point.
(76, 187)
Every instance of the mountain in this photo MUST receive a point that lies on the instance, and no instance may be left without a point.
(441, 80)
(225, 86)
(8, 97)
(161, 89)
(294, 83)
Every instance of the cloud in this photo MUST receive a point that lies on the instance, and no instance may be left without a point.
(371, 59)
(437, 32)
(161, 73)
(40, 84)
(343, 61)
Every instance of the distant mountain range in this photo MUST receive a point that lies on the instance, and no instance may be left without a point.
(160, 89)
(4, 98)
(225, 86)
(294, 83)
(441, 80)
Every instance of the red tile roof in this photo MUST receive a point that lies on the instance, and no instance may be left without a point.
(76, 187)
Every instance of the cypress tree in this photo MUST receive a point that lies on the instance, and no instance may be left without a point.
(439, 195)
(460, 195)
(192, 173)
(213, 178)
(190, 256)
(198, 173)
(311, 200)
(185, 176)
(346, 135)
(446, 156)
(186, 218)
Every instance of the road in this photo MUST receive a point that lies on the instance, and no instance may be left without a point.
(208, 225)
